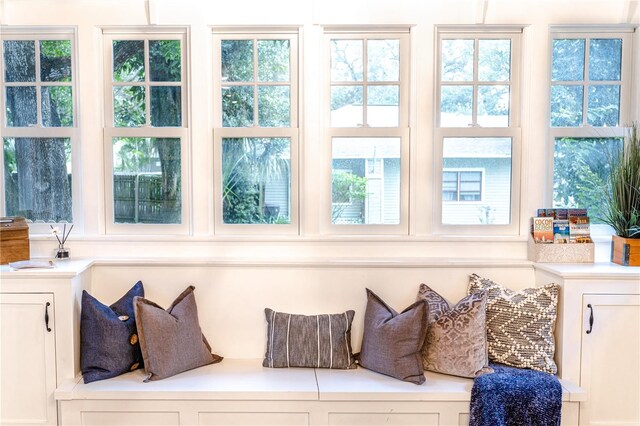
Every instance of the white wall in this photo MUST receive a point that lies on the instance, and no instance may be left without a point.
(89, 16)
(236, 327)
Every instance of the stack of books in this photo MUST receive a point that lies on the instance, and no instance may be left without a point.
(561, 226)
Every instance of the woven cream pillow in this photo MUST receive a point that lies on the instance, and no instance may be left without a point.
(520, 324)
(456, 341)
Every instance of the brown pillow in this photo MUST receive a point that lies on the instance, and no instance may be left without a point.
(456, 341)
(318, 341)
(171, 341)
(520, 324)
(392, 341)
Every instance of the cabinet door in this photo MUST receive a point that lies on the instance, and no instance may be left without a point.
(27, 360)
(610, 371)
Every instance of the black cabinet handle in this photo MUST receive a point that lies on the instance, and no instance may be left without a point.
(46, 316)
(590, 318)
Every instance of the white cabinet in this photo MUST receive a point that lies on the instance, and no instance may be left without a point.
(28, 359)
(598, 337)
(610, 360)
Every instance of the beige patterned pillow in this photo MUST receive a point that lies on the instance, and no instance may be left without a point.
(456, 341)
(520, 324)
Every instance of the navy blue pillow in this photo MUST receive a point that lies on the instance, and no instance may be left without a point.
(108, 337)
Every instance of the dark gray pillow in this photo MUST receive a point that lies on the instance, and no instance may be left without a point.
(319, 341)
(108, 337)
(456, 341)
(392, 342)
(171, 340)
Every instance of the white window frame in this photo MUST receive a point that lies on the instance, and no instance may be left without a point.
(587, 131)
(291, 132)
(38, 131)
(401, 132)
(459, 170)
(513, 131)
(146, 131)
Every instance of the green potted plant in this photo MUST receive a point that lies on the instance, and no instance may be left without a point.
(622, 201)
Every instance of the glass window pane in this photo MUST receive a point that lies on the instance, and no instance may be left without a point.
(494, 60)
(603, 107)
(166, 106)
(383, 60)
(165, 60)
(372, 185)
(493, 106)
(147, 180)
(273, 106)
(19, 60)
(566, 106)
(568, 60)
(456, 104)
(580, 173)
(237, 106)
(256, 180)
(491, 204)
(20, 104)
(346, 106)
(605, 59)
(382, 106)
(346, 60)
(128, 60)
(457, 60)
(129, 108)
(237, 60)
(38, 178)
(55, 60)
(273, 60)
(57, 106)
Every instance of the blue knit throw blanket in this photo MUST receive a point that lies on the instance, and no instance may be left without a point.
(515, 397)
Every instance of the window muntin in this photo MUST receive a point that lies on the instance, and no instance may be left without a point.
(256, 132)
(147, 83)
(146, 132)
(354, 86)
(256, 82)
(475, 82)
(366, 132)
(586, 75)
(478, 134)
(590, 102)
(38, 125)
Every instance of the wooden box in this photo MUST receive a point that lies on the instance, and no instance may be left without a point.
(561, 253)
(625, 251)
(14, 240)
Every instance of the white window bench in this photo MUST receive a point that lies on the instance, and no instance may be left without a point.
(231, 295)
(238, 391)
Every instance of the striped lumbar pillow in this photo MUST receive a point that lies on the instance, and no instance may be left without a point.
(318, 341)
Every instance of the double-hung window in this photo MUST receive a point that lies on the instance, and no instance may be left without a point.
(255, 131)
(590, 103)
(477, 132)
(38, 125)
(367, 130)
(146, 131)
